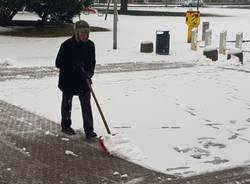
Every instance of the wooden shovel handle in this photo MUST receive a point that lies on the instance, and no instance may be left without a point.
(98, 106)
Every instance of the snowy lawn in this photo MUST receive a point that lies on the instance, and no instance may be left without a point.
(185, 121)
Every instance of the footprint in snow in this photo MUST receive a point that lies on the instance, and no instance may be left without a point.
(204, 139)
(235, 98)
(207, 120)
(190, 108)
(217, 160)
(241, 129)
(233, 121)
(235, 136)
(228, 93)
(193, 114)
(213, 125)
(185, 150)
(119, 127)
(214, 144)
(177, 168)
(189, 172)
(170, 127)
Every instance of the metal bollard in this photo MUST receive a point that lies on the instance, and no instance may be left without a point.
(205, 27)
(239, 40)
(194, 39)
(208, 37)
(223, 39)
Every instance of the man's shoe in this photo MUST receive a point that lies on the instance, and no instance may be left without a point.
(91, 135)
(68, 130)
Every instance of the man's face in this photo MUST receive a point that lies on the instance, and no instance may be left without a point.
(83, 37)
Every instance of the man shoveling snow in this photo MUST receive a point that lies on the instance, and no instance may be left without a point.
(76, 61)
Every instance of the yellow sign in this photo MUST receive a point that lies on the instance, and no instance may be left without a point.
(192, 20)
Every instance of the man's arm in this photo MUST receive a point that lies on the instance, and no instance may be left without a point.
(92, 61)
(59, 57)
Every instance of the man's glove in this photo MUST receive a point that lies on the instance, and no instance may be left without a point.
(90, 81)
(86, 76)
(78, 66)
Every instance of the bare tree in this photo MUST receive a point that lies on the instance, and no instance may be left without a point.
(8, 9)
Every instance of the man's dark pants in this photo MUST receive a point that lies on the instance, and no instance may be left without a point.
(86, 111)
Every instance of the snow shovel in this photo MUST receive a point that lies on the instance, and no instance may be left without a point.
(101, 138)
(96, 101)
(98, 106)
(112, 142)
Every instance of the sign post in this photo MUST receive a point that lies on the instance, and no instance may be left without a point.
(193, 21)
(115, 25)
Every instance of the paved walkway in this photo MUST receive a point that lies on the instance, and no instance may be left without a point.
(34, 151)
(8, 73)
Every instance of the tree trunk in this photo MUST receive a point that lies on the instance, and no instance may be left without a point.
(5, 17)
(7, 13)
(44, 18)
(18, 7)
(124, 6)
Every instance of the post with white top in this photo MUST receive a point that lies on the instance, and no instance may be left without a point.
(115, 25)
(205, 27)
(208, 37)
(223, 39)
(239, 40)
(194, 39)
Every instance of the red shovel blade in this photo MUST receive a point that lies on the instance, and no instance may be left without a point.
(102, 145)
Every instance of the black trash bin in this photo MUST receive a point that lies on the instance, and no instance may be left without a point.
(162, 42)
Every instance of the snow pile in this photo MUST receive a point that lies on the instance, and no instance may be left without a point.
(65, 139)
(68, 152)
(121, 146)
(5, 62)
(4, 29)
(234, 51)
(210, 48)
(50, 133)
(23, 150)
(234, 61)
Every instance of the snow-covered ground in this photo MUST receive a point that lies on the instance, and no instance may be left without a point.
(185, 121)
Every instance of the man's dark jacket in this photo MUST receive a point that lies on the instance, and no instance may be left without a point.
(76, 61)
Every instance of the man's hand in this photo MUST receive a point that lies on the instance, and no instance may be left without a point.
(84, 74)
(87, 77)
